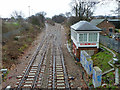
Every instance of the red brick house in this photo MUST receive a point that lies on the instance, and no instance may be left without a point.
(108, 28)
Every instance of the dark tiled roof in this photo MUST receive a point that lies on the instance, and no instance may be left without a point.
(84, 26)
(116, 22)
(96, 21)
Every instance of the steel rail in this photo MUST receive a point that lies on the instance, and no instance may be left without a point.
(53, 85)
(64, 69)
(30, 64)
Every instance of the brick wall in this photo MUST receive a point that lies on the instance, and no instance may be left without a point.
(107, 25)
(88, 48)
(77, 51)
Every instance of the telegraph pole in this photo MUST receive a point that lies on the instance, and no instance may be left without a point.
(29, 10)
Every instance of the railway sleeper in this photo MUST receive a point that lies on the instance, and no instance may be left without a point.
(59, 64)
(19, 77)
(59, 70)
(34, 69)
(28, 82)
(60, 81)
(60, 78)
(30, 73)
(30, 79)
(60, 75)
(30, 76)
(61, 84)
(59, 87)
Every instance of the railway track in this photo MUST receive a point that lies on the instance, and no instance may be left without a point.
(33, 74)
(58, 78)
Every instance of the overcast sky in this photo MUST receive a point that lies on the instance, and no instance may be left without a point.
(51, 7)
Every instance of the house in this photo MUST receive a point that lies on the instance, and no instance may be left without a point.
(84, 36)
(107, 27)
(115, 22)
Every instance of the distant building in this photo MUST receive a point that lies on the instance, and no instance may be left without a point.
(85, 36)
(115, 22)
(108, 26)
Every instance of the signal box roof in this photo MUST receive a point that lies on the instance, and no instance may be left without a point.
(84, 26)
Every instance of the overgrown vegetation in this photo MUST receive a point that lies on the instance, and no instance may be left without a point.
(9, 26)
(101, 59)
(15, 45)
(38, 19)
(59, 18)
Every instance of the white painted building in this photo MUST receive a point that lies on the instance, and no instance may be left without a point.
(85, 36)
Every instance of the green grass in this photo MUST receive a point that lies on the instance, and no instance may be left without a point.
(101, 60)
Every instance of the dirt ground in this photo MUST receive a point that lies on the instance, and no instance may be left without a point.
(73, 69)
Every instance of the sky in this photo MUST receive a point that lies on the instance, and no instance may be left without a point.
(105, 9)
(51, 7)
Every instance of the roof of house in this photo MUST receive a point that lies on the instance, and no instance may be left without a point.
(114, 20)
(84, 26)
(96, 21)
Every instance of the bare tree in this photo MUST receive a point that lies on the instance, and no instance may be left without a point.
(17, 14)
(68, 14)
(38, 19)
(117, 11)
(59, 18)
(43, 13)
(83, 8)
